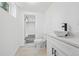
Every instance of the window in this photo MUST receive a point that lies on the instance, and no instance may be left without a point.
(5, 6)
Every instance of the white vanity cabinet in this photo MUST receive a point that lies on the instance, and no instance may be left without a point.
(62, 48)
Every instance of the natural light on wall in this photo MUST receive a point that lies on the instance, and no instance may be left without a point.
(9, 7)
(5, 6)
(12, 9)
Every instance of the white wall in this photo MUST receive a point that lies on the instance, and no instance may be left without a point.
(62, 12)
(40, 24)
(8, 34)
(20, 26)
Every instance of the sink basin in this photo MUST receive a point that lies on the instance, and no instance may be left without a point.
(61, 33)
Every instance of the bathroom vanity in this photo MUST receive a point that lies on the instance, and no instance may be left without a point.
(62, 46)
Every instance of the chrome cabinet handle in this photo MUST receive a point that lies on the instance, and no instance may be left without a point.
(54, 52)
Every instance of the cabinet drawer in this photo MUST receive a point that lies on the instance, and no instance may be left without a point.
(63, 49)
(50, 45)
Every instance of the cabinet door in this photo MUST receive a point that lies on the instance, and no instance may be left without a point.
(50, 45)
(63, 49)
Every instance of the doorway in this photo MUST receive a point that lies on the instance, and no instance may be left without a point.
(29, 28)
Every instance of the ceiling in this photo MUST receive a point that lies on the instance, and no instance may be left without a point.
(34, 6)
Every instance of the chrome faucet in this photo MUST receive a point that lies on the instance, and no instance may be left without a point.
(65, 26)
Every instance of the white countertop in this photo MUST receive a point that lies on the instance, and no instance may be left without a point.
(69, 40)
